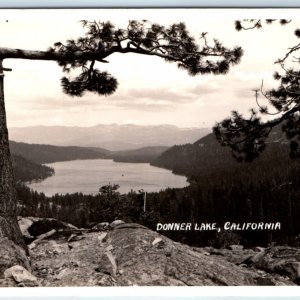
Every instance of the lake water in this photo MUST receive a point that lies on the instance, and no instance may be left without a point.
(87, 176)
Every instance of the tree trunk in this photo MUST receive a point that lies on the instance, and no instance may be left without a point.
(8, 220)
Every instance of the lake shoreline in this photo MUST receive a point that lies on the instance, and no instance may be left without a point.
(87, 176)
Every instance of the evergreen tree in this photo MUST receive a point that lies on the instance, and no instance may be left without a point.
(247, 136)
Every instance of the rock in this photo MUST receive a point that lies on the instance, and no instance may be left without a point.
(21, 276)
(156, 241)
(238, 257)
(259, 249)
(253, 259)
(265, 281)
(32, 245)
(107, 264)
(109, 248)
(8, 282)
(11, 254)
(24, 224)
(126, 256)
(40, 238)
(32, 227)
(236, 247)
(112, 260)
(106, 280)
(143, 264)
(102, 226)
(102, 237)
(63, 273)
(57, 249)
(281, 260)
(115, 223)
(27, 284)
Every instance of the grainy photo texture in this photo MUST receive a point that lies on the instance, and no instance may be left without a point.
(148, 148)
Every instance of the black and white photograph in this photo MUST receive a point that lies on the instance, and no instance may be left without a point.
(149, 147)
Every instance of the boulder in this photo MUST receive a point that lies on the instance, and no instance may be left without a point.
(33, 228)
(102, 226)
(236, 247)
(281, 260)
(171, 263)
(21, 276)
(157, 241)
(259, 249)
(236, 256)
(24, 224)
(116, 223)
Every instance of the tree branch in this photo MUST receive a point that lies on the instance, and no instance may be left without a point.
(48, 55)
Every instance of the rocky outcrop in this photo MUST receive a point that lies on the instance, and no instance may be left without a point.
(126, 254)
(281, 260)
(21, 277)
(130, 254)
(32, 227)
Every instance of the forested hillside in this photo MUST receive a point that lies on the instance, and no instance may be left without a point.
(42, 154)
(25, 170)
(221, 190)
(141, 155)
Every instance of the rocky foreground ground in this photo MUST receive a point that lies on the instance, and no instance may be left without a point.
(126, 254)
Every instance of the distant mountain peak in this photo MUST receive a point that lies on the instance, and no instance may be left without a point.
(109, 136)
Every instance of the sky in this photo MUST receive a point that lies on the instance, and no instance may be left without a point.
(150, 90)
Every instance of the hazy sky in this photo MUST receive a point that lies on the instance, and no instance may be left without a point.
(150, 90)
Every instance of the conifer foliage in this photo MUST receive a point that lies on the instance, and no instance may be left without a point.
(246, 136)
(173, 44)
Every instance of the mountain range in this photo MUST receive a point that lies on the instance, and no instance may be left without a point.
(112, 137)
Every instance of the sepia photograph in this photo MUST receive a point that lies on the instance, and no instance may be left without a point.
(149, 147)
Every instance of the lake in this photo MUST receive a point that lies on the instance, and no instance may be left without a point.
(87, 176)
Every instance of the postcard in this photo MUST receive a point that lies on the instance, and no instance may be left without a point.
(149, 147)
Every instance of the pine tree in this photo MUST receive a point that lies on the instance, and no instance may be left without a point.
(247, 136)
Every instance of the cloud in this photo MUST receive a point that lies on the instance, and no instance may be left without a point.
(150, 89)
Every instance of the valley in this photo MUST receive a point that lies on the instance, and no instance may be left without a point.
(220, 190)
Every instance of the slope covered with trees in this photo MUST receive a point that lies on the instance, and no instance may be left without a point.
(141, 155)
(221, 190)
(42, 154)
(25, 170)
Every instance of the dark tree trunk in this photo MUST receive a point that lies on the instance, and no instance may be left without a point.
(8, 203)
